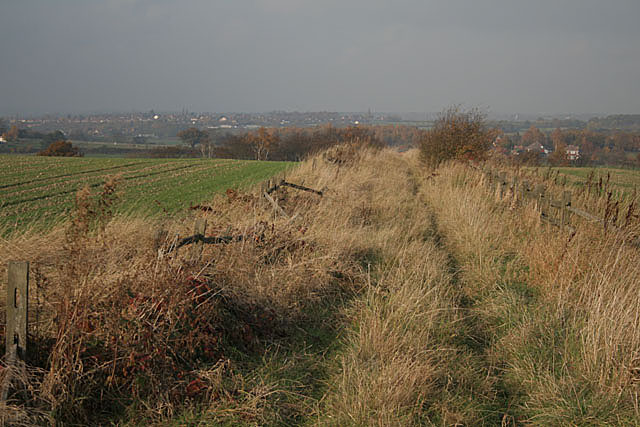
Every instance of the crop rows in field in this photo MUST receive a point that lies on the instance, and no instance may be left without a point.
(37, 189)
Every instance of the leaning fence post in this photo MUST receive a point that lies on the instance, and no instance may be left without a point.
(200, 229)
(17, 307)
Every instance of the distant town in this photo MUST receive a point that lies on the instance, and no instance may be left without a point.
(122, 127)
(582, 139)
(151, 124)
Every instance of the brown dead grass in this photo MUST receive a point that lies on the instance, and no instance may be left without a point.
(121, 330)
(118, 325)
(561, 310)
(401, 297)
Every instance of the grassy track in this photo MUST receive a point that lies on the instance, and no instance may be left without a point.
(552, 317)
(37, 191)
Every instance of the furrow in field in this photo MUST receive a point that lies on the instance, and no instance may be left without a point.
(161, 183)
(94, 185)
(72, 180)
(49, 178)
(12, 171)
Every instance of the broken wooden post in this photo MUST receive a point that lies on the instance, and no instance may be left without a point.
(199, 231)
(502, 183)
(275, 205)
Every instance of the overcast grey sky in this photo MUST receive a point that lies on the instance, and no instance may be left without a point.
(578, 56)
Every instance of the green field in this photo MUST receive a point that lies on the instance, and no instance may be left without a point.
(624, 180)
(40, 190)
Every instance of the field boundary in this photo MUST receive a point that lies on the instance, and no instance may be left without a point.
(555, 211)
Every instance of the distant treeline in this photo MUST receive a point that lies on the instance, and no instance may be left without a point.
(613, 123)
(292, 144)
(597, 144)
(595, 147)
(626, 122)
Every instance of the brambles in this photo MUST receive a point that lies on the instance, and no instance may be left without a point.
(61, 149)
(93, 211)
(457, 134)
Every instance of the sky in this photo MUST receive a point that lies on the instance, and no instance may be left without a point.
(543, 56)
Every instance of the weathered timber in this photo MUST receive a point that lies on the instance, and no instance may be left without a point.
(10, 371)
(199, 238)
(275, 205)
(16, 324)
(564, 214)
(584, 214)
(284, 183)
(17, 306)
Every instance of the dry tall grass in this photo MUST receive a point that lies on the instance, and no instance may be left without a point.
(561, 310)
(400, 297)
(123, 334)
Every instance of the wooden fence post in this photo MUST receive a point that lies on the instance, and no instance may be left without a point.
(564, 213)
(17, 307)
(200, 229)
(502, 182)
(539, 196)
(525, 190)
(16, 325)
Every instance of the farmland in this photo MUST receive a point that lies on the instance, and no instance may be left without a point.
(38, 191)
(621, 179)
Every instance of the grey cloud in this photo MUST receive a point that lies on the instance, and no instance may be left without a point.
(257, 55)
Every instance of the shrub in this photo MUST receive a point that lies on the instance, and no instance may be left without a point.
(529, 158)
(457, 135)
(61, 149)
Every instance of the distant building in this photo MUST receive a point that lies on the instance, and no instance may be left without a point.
(573, 152)
(536, 147)
(2, 140)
